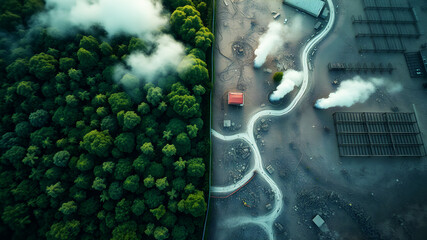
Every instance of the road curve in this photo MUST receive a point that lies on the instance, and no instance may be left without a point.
(266, 221)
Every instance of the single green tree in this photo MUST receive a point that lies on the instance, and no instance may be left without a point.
(67, 230)
(61, 158)
(68, 208)
(140, 163)
(149, 230)
(23, 129)
(147, 149)
(122, 210)
(192, 131)
(43, 66)
(154, 95)
(161, 233)
(183, 144)
(115, 191)
(130, 120)
(277, 77)
(87, 59)
(195, 167)
(75, 75)
(153, 198)
(131, 183)
(97, 142)
(125, 142)
(143, 108)
(195, 204)
(180, 164)
(120, 101)
(162, 183)
(55, 190)
(158, 212)
(99, 184)
(18, 69)
(85, 162)
(26, 88)
(106, 49)
(83, 181)
(185, 106)
(179, 233)
(123, 169)
(66, 64)
(108, 167)
(126, 231)
(204, 38)
(90, 43)
(169, 150)
(138, 207)
(149, 181)
(167, 135)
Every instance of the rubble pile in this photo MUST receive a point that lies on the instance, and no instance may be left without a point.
(262, 127)
(238, 49)
(285, 62)
(236, 161)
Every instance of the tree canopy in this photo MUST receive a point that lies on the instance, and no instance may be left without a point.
(91, 152)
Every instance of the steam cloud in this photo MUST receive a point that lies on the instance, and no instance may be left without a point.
(269, 42)
(277, 35)
(134, 17)
(142, 18)
(157, 64)
(291, 78)
(355, 90)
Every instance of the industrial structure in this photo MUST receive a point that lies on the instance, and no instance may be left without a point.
(359, 67)
(417, 63)
(423, 54)
(236, 98)
(386, 26)
(361, 134)
(312, 7)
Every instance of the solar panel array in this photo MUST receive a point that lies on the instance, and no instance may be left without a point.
(387, 26)
(378, 134)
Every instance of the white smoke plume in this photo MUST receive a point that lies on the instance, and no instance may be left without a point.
(291, 78)
(269, 42)
(276, 36)
(355, 90)
(142, 18)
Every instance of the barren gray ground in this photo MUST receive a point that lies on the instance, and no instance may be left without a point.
(359, 198)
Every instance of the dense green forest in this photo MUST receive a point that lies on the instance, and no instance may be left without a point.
(82, 157)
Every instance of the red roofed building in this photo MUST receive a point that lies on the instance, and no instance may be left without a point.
(235, 98)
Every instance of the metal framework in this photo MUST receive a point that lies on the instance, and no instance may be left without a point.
(363, 134)
(387, 24)
(361, 67)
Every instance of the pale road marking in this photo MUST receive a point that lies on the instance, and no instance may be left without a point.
(266, 222)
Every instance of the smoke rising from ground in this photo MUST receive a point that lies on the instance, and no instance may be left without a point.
(276, 36)
(142, 18)
(269, 42)
(355, 90)
(291, 78)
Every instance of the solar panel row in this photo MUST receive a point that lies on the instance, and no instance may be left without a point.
(378, 134)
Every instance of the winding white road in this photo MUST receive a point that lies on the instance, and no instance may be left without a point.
(266, 222)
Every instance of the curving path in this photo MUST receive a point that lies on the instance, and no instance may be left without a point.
(266, 221)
